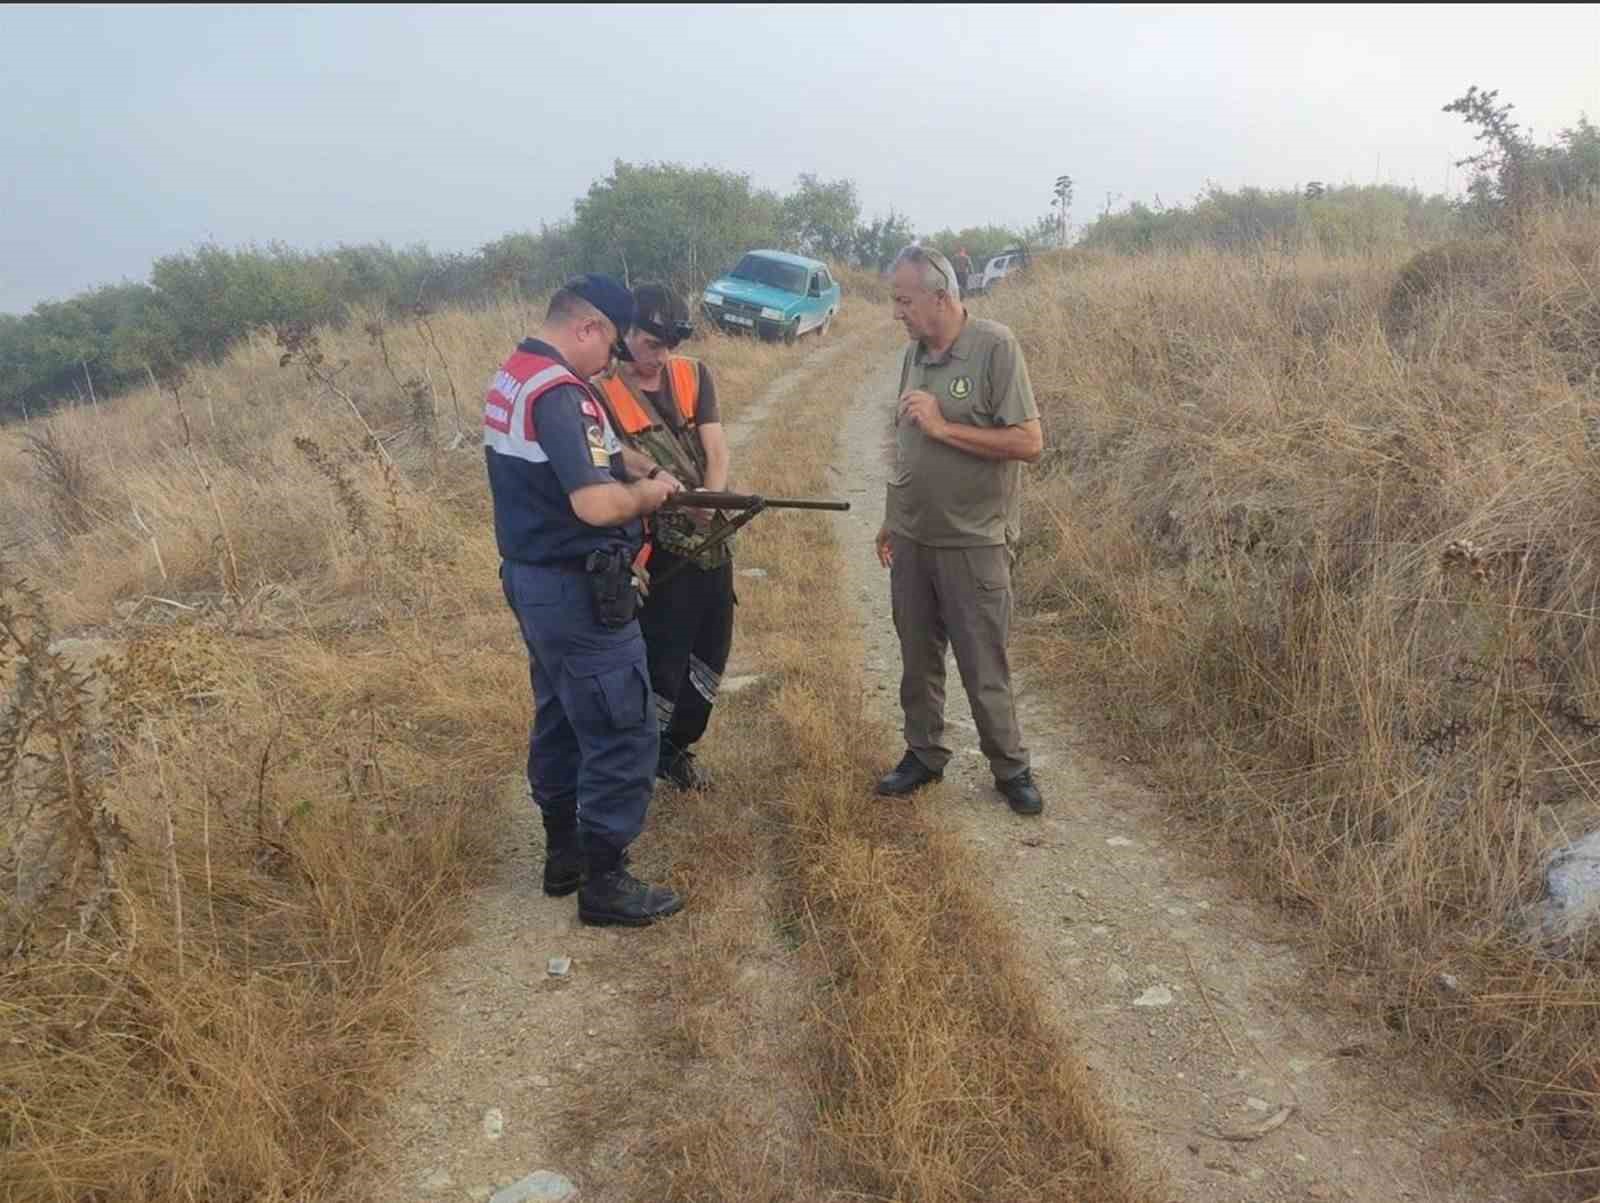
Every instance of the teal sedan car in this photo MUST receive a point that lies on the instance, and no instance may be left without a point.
(774, 295)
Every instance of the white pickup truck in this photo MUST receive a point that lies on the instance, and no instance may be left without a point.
(998, 268)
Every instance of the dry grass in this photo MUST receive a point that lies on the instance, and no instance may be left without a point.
(235, 813)
(843, 1016)
(860, 285)
(1324, 533)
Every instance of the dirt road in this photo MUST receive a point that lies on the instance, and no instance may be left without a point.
(507, 1046)
(1186, 999)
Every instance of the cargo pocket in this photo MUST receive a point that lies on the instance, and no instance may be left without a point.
(990, 596)
(616, 683)
(990, 568)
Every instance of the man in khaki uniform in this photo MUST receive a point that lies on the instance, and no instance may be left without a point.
(965, 425)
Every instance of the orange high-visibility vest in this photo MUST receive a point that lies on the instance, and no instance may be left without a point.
(683, 386)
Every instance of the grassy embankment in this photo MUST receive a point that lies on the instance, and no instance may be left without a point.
(1325, 533)
(228, 858)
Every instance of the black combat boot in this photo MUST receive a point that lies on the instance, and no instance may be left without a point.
(613, 896)
(563, 861)
(678, 767)
(907, 777)
(1021, 792)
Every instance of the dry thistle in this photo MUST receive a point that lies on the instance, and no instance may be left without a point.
(414, 389)
(344, 489)
(66, 480)
(58, 839)
(300, 345)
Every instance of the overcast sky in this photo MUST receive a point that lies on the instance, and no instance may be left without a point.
(128, 133)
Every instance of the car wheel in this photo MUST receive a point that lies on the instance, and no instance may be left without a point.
(790, 334)
(827, 322)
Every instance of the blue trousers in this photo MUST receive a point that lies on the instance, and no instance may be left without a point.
(592, 756)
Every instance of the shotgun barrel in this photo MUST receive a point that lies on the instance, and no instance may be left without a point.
(704, 499)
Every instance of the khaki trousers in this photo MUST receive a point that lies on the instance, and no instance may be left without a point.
(956, 597)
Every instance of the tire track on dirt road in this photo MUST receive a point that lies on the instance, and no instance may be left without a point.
(1189, 1003)
(506, 1047)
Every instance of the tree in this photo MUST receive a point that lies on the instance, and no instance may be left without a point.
(980, 241)
(1337, 219)
(669, 223)
(1511, 173)
(1572, 166)
(1499, 187)
(1043, 231)
(529, 263)
(1061, 202)
(877, 242)
(820, 219)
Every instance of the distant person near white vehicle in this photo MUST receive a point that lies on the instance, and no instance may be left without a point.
(963, 265)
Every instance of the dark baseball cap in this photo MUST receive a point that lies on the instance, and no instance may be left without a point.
(607, 295)
(610, 297)
(662, 313)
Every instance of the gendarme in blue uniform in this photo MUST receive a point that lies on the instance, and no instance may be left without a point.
(592, 757)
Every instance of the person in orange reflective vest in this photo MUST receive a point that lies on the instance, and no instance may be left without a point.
(664, 408)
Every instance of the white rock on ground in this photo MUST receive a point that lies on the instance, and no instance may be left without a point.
(494, 1124)
(1156, 996)
(1572, 888)
(539, 1187)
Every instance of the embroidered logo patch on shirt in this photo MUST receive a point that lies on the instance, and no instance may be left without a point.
(598, 455)
(960, 387)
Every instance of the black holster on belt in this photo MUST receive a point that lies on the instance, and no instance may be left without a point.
(616, 597)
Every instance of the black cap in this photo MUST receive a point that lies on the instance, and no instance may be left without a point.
(661, 312)
(607, 295)
(611, 298)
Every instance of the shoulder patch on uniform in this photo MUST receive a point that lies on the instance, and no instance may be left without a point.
(961, 387)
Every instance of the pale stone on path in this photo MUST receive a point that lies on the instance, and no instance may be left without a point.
(1156, 996)
(559, 966)
(1572, 888)
(539, 1187)
(437, 1179)
(494, 1124)
(1119, 841)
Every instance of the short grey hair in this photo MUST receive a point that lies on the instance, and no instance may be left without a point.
(937, 274)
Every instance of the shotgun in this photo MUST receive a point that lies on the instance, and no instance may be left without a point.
(744, 506)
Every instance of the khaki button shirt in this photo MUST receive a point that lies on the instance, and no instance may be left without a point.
(940, 496)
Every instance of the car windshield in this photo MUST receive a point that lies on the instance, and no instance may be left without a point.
(789, 277)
